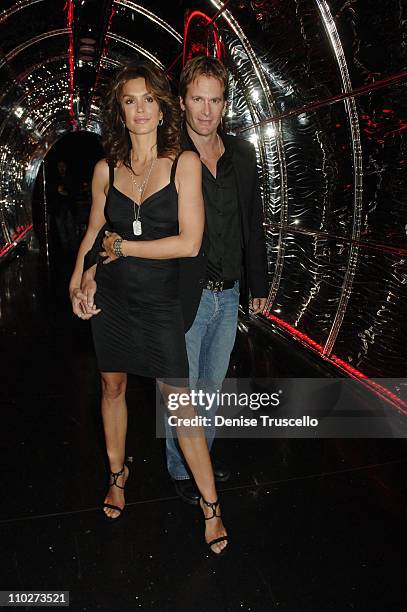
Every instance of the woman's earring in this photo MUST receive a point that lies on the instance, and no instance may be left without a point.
(161, 122)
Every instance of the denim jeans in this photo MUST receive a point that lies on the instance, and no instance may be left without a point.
(209, 344)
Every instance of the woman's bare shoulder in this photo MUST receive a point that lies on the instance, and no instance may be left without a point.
(101, 168)
(189, 161)
(101, 175)
(189, 155)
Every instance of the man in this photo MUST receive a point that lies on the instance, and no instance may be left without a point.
(232, 258)
(233, 254)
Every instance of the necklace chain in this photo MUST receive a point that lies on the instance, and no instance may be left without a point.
(219, 148)
(219, 145)
(140, 188)
(137, 230)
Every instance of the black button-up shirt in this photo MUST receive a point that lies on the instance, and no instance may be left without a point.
(222, 216)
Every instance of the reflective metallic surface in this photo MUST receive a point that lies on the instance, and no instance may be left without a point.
(333, 171)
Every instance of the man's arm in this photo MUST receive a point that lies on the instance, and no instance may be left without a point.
(88, 284)
(258, 282)
(92, 257)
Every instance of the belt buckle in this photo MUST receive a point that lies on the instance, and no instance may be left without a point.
(215, 285)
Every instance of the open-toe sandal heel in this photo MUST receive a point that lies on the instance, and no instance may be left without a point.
(213, 506)
(115, 476)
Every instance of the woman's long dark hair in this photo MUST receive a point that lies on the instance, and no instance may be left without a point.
(115, 135)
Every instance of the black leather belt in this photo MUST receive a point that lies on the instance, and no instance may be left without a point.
(218, 285)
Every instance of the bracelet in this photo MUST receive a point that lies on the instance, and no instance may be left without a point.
(117, 247)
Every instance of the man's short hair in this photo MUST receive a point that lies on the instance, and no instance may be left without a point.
(201, 65)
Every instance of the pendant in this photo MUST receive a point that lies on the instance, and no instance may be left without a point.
(137, 231)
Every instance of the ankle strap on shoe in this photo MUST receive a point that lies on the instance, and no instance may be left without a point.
(212, 506)
(115, 476)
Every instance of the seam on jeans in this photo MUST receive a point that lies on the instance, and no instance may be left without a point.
(217, 309)
(214, 315)
(204, 350)
(220, 316)
(204, 342)
(197, 373)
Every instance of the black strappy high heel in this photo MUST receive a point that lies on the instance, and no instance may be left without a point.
(213, 506)
(115, 476)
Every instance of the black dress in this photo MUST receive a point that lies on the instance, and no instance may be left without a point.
(141, 329)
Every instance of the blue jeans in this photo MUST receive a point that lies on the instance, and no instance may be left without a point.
(209, 344)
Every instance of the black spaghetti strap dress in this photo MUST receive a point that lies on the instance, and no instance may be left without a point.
(140, 329)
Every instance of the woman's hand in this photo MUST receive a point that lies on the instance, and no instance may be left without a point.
(82, 299)
(107, 244)
(78, 300)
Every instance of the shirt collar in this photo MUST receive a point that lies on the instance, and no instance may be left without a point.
(187, 143)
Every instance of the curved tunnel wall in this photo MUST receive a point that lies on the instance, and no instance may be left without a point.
(319, 88)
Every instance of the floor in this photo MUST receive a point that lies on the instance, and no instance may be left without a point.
(315, 525)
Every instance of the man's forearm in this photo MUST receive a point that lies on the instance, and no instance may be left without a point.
(89, 274)
(92, 256)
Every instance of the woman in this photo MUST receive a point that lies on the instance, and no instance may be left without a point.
(150, 194)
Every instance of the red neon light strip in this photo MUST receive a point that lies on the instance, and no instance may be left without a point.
(209, 22)
(10, 245)
(384, 393)
(69, 7)
(106, 43)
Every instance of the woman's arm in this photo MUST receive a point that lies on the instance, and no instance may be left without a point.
(97, 219)
(191, 218)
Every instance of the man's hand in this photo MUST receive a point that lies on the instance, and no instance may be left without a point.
(257, 305)
(107, 244)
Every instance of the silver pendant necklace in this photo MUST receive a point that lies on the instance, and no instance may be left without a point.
(137, 229)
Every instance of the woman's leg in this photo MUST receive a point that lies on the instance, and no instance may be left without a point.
(194, 447)
(114, 415)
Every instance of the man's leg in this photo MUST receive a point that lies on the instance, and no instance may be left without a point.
(217, 345)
